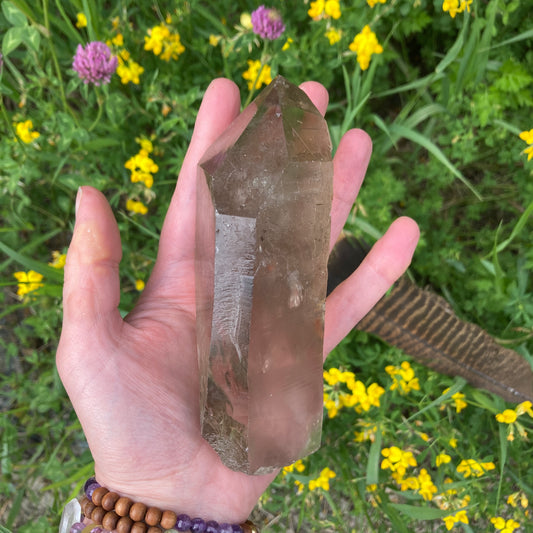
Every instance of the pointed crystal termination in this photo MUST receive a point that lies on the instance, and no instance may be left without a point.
(262, 233)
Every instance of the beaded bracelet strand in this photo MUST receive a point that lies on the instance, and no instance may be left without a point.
(110, 512)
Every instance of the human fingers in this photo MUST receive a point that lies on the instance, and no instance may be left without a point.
(91, 291)
(317, 93)
(349, 168)
(385, 263)
(175, 260)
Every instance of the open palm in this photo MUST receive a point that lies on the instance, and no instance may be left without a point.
(134, 382)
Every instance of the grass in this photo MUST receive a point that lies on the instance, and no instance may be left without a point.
(444, 102)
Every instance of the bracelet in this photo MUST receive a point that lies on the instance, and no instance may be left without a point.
(111, 512)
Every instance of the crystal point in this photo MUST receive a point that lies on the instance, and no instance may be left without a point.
(262, 233)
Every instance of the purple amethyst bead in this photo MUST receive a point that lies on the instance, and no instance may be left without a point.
(78, 527)
(90, 489)
(236, 528)
(183, 522)
(198, 525)
(225, 528)
(90, 481)
(211, 527)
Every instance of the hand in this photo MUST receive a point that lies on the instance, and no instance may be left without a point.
(134, 381)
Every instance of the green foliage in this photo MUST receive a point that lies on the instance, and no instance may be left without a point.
(444, 103)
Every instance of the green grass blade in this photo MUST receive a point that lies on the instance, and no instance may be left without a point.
(418, 138)
(49, 272)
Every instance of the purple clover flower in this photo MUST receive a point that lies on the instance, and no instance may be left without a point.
(267, 23)
(94, 63)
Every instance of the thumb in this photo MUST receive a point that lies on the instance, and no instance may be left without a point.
(91, 291)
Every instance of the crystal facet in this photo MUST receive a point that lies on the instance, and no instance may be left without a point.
(263, 216)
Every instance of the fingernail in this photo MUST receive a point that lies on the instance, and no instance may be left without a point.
(78, 200)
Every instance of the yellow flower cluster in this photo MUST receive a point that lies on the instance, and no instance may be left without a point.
(128, 70)
(368, 432)
(396, 460)
(458, 400)
(27, 282)
(365, 44)
(139, 285)
(322, 481)
(164, 43)
(505, 526)
(257, 74)
(509, 416)
(471, 467)
(134, 206)
(451, 520)
(299, 467)
(58, 260)
(333, 35)
(403, 378)
(518, 497)
(442, 459)
(324, 9)
(24, 131)
(360, 397)
(372, 3)
(456, 6)
(141, 165)
(528, 137)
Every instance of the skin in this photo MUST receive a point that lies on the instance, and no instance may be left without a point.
(134, 381)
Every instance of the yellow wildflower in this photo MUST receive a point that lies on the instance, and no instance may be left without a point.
(372, 3)
(24, 131)
(129, 70)
(163, 42)
(139, 285)
(246, 21)
(214, 39)
(524, 407)
(505, 526)
(27, 282)
(58, 259)
(453, 442)
(322, 481)
(427, 488)
(527, 136)
(458, 400)
(365, 44)
(81, 20)
(333, 35)
(471, 467)
(368, 432)
(456, 6)
(324, 9)
(397, 460)
(118, 40)
(297, 465)
(257, 74)
(134, 206)
(512, 499)
(451, 520)
(403, 378)
(442, 459)
(287, 44)
(507, 417)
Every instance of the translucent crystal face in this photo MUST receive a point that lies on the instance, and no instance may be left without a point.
(263, 218)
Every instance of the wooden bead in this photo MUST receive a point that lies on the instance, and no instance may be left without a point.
(87, 506)
(98, 495)
(249, 527)
(110, 520)
(139, 527)
(153, 516)
(98, 514)
(137, 511)
(153, 529)
(109, 500)
(168, 520)
(123, 506)
(124, 525)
